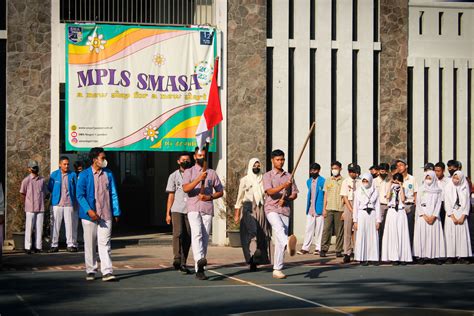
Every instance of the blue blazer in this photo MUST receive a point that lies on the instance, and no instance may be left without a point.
(86, 194)
(319, 200)
(54, 186)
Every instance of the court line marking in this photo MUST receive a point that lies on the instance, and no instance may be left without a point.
(28, 306)
(279, 292)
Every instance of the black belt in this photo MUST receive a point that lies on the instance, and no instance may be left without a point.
(409, 203)
(368, 210)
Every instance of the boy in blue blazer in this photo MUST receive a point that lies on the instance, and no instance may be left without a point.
(314, 210)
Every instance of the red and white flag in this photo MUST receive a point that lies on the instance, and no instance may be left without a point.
(212, 114)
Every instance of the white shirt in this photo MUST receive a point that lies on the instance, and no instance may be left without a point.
(383, 186)
(442, 184)
(411, 187)
(347, 187)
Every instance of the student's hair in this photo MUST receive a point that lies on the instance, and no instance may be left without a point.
(393, 167)
(63, 158)
(196, 150)
(184, 154)
(453, 163)
(374, 167)
(384, 166)
(336, 163)
(95, 152)
(398, 177)
(440, 165)
(78, 164)
(277, 153)
(315, 166)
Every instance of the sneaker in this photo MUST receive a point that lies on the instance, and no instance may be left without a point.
(53, 249)
(316, 252)
(253, 267)
(71, 249)
(184, 270)
(291, 247)
(346, 259)
(177, 264)
(28, 251)
(277, 274)
(201, 276)
(322, 254)
(108, 277)
(201, 264)
(302, 252)
(90, 277)
(339, 255)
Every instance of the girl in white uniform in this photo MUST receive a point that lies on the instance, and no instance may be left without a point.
(396, 238)
(429, 241)
(456, 229)
(367, 219)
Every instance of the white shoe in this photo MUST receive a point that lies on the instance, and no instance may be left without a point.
(291, 247)
(277, 274)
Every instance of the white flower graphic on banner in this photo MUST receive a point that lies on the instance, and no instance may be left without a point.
(96, 42)
(151, 133)
(159, 60)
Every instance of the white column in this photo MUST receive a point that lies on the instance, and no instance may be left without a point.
(448, 113)
(433, 110)
(418, 118)
(57, 68)
(461, 137)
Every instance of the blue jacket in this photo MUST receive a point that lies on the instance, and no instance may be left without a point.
(319, 200)
(54, 186)
(86, 195)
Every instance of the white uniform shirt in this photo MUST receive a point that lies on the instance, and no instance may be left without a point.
(411, 187)
(347, 187)
(383, 186)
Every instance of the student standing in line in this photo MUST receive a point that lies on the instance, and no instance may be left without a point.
(442, 182)
(410, 187)
(383, 184)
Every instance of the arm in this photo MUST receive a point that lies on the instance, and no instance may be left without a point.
(278, 189)
(437, 209)
(51, 183)
(189, 184)
(346, 202)
(378, 212)
(169, 203)
(325, 201)
(81, 192)
(294, 192)
(355, 211)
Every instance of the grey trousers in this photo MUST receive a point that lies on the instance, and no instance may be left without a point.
(181, 236)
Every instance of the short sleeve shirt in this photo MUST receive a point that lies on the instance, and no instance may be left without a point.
(34, 188)
(347, 187)
(175, 185)
(411, 187)
(272, 179)
(332, 189)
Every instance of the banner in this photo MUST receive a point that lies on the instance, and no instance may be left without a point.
(136, 88)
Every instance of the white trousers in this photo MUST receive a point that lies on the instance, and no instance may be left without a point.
(313, 232)
(70, 223)
(200, 229)
(97, 234)
(279, 225)
(34, 220)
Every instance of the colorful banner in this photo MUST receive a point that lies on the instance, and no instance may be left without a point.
(135, 87)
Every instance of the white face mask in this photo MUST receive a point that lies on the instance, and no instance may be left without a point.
(428, 181)
(367, 185)
(104, 164)
(335, 172)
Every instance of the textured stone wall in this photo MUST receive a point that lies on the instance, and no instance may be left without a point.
(246, 83)
(393, 79)
(28, 97)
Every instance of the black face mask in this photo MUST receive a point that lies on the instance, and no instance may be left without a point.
(383, 175)
(200, 161)
(256, 170)
(451, 172)
(314, 175)
(35, 170)
(185, 164)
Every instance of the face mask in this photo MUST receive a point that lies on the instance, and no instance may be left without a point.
(428, 182)
(200, 161)
(104, 164)
(451, 172)
(335, 172)
(314, 175)
(383, 175)
(367, 185)
(185, 164)
(256, 170)
(35, 169)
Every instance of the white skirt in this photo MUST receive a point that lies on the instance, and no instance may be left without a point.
(428, 241)
(458, 240)
(396, 237)
(367, 237)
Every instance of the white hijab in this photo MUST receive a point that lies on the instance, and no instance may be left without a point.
(367, 196)
(452, 192)
(255, 181)
(430, 193)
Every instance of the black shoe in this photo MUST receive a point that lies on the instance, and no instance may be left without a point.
(450, 261)
(90, 277)
(71, 249)
(184, 270)
(177, 264)
(403, 263)
(201, 264)
(109, 277)
(201, 276)
(38, 250)
(463, 261)
(395, 263)
(365, 263)
(339, 255)
(374, 263)
(257, 257)
(347, 259)
(253, 267)
(28, 251)
(438, 262)
(322, 254)
(421, 261)
(53, 249)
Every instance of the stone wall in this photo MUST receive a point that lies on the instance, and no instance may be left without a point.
(246, 83)
(393, 79)
(28, 98)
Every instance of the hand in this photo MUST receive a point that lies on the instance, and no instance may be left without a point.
(325, 213)
(342, 216)
(288, 184)
(377, 226)
(454, 219)
(204, 197)
(426, 218)
(461, 220)
(281, 202)
(202, 176)
(116, 219)
(168, 219)
(236, 216)
(355, 226)
(432, 220)
(93, 215)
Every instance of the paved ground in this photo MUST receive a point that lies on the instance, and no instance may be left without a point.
(53, 284)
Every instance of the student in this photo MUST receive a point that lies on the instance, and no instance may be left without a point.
(332, 211)
(453, 166)
(280, 192)
(255, 231)
(383, 184)
(314, 211)
(62, 185)
(98, 205)
(33, 190)
(393, 169)
(176, 214)
(366, 217)
(78, 167)
(456, 230)
(442, 182)
(348, 187)
(200, 207)
(429, 241)
(396, 246)
(374, 171)
(429, 167)
(410, 187)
